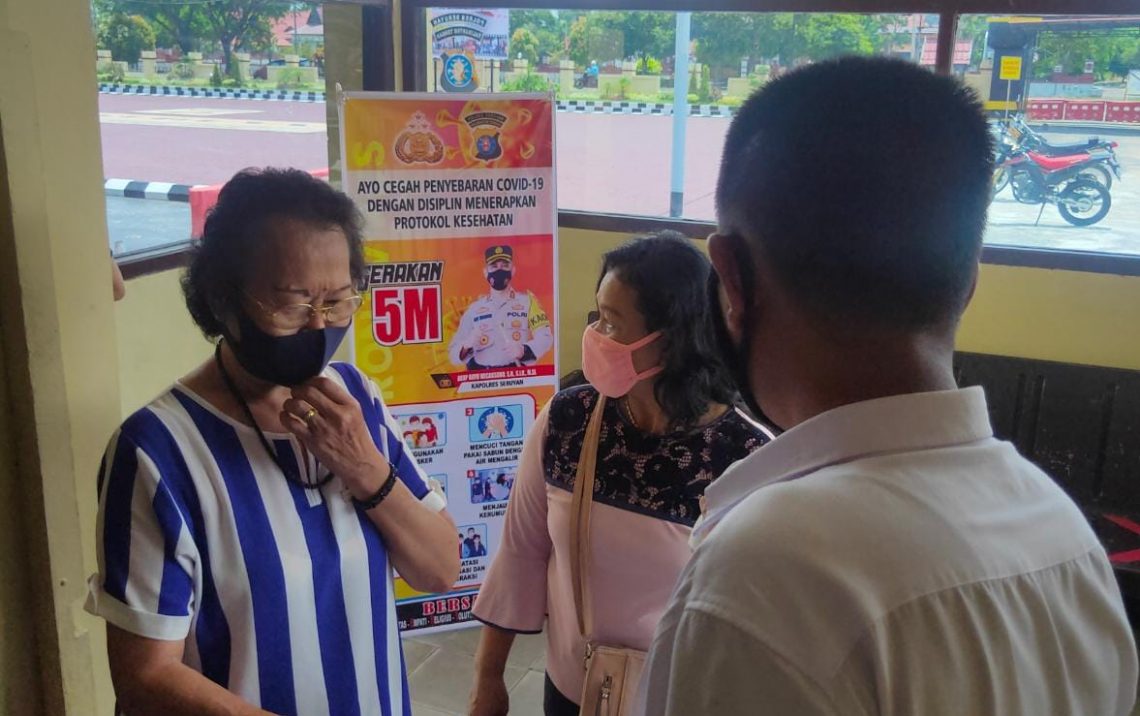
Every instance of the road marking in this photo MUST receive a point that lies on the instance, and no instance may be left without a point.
(244, 125)
(198, 112)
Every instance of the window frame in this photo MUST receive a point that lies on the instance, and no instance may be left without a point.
(413, 27)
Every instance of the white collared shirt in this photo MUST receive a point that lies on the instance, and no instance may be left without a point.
(899, 560)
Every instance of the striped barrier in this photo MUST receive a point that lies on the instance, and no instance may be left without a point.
(1084, 111)
(1128, 112)
(1046, 109)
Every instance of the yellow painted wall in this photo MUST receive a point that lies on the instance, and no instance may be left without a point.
(579, 260)
(158, 343)
(1063, 316)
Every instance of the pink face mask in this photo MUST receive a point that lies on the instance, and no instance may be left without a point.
(608, 365)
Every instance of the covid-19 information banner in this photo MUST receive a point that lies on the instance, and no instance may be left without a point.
(457, 326)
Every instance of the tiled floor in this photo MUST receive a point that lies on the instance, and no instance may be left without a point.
(441, 667)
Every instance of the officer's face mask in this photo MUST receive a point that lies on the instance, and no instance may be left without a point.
(608, 365)
(737, 356)
(499, 279)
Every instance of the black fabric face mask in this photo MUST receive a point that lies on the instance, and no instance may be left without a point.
(737, 357)
(499, 279)
(285, 360)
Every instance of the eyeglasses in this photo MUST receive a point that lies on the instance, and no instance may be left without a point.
(297, 315)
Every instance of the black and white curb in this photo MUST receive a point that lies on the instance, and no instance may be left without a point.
(576, 106)
(651, 108)
(147, 190)
(212, 93)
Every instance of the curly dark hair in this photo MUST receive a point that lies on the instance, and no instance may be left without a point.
(247, 207)
(669, 276)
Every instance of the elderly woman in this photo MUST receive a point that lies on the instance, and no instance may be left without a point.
(250, 517)
(668, 430)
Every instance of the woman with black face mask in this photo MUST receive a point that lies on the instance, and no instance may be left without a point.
(250, 517)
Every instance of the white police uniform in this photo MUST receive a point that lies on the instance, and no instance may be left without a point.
(496, 325)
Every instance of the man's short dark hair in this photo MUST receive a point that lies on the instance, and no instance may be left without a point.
(864, 183)
(249, 205)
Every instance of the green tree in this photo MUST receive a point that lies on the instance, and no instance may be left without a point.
(549, 28)
(613, 35)
(1109, 52)
(524, 43)
(236, 22)
(646, 33)
(974, 29)
(126, 36)
(724, 38)
(823, 35)
(594, 38)
(232, 24)
(180, 25)
(578, 41)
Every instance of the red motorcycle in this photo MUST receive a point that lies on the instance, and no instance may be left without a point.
(1039, 179)
(1017, 133)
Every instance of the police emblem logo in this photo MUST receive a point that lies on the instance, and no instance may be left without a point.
(484, 340)
(516, 336)
(458, 74)
(418, 144)
(486, 125)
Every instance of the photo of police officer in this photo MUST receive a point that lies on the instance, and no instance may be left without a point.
(506, 327)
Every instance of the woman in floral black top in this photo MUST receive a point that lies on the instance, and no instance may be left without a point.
(668, 430)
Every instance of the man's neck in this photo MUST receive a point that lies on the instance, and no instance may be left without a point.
(501, 293)
(830, 376)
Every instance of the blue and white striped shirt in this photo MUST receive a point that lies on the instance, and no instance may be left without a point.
(283, 595)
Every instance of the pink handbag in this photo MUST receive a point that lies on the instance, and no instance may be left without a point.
(612, 673)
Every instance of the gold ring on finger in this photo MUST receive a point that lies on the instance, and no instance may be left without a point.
(309, 415)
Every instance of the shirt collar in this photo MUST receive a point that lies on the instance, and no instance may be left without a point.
(901, 423)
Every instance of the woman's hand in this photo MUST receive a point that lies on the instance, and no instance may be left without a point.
(329, 423)
(489, 697)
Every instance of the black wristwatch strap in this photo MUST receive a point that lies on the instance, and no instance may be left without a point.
(382, 493)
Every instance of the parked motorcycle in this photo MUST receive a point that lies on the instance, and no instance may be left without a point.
(1064, 181)
(1016, 133)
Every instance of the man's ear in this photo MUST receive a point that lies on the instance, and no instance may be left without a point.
(726, 262)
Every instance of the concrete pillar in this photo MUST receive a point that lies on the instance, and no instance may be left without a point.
(520, 65)
(628, 69)
(292, 60)
(566, 71)
(148, 63)
(59, 382)
(242, 58)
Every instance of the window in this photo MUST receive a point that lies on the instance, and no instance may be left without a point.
(614, 76)
(1064, 93)
(191, 93)
(615, 72)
